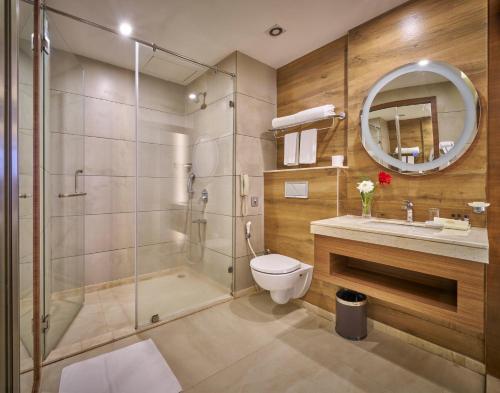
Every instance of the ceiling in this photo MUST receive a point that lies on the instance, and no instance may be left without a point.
(209, 30)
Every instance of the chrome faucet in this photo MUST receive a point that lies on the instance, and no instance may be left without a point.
(408, 206)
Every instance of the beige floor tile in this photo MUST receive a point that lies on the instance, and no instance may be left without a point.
(253, 345)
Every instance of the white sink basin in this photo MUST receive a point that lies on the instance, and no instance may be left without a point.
(471, 245)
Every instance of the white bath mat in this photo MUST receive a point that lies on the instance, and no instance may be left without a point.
(138, 368)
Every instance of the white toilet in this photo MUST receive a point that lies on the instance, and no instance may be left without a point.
(286, 278)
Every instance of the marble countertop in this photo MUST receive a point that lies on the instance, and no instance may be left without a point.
(471, 245)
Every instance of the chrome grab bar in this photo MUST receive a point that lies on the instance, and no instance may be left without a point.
(76, 193)
(73, 194)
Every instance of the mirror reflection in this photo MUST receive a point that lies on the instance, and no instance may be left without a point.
(417, 117)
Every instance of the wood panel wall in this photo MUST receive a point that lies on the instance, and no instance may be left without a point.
(454, 31)
(315, 79)
(287, 221)
(493, 269)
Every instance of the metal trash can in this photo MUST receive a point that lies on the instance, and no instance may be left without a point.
(350, 321)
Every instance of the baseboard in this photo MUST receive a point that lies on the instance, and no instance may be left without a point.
(246, 292)
(435, 349)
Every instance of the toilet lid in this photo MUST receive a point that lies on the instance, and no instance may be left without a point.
(274, 264)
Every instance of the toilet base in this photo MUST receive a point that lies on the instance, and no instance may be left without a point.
(283, 296)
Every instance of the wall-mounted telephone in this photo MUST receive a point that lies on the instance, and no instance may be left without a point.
(244, 191)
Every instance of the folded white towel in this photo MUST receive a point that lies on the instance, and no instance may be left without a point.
(304, 116)
(308, 146)
(449, 223)
(408, 150)
(291, 149)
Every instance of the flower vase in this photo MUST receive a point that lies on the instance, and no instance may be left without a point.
(366, 208)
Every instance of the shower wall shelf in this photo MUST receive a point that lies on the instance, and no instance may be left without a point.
(340, 116)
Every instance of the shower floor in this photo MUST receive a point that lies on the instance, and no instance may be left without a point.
(109, 313)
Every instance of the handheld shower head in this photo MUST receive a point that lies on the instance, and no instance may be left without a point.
(190, 182)
(248, 225)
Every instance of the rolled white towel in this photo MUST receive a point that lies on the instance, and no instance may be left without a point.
(318, 112)
(304, 116)
(283, 121)
(408, 150)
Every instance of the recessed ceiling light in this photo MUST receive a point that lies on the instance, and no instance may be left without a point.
(275, 31)
(125, 29)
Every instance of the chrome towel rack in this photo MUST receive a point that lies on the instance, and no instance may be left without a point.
(339, 116)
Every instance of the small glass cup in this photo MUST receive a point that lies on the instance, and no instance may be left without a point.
(433, 213)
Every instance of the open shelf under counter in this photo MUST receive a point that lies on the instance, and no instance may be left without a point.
(442, 288)
(311, 168)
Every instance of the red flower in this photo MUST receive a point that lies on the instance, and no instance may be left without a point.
(384, 178)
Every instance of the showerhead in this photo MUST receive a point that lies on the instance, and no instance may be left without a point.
(203, 104)
(195, 97)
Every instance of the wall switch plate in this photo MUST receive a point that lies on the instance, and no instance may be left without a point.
(254, 201)
(297, 189)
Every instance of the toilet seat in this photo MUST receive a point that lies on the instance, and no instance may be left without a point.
(274, 264)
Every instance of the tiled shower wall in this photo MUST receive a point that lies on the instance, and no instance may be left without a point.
(96, 128)
(93, 128)
(255, 153)
(210, 247)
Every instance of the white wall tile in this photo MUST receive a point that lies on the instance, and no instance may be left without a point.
(256, 190)
(109, 119)
(254, 155)
(220, 195)
(65, 184)
(66, 112)
(109, 266)
(216, 234)
(243, 278)
(254, 116)
(161, 95)
(67, 236)
(256, 79)
(67, 153)
(109, 82)
(257, 235)
(67, 273)
(105, 232)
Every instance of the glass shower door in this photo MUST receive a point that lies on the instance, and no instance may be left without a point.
(185, 198)
(63, 188)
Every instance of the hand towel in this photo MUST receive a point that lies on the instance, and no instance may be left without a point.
(291, 149)
(449, 223)
(308, 144)
(446, 146)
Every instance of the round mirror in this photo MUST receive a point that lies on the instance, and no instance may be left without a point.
(420, 118)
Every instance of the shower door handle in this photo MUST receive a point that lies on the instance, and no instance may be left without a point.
(76, 193)
(73, 194)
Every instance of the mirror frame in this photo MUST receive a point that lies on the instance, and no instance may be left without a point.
(469, 132)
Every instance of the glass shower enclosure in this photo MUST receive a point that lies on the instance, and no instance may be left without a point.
(138, 180)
